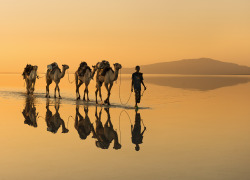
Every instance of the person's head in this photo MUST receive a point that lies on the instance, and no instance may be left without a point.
(137, 147)
(137, 68)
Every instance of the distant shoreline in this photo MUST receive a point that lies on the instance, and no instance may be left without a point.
(16, 73)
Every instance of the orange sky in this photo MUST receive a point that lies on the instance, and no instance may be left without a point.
(130, 32)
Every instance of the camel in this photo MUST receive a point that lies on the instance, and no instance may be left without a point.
(54, 121)
(79, 80)
(105, 135)
(83, 125)
(108, 81)
(29, 112)
(55, 75)
(30, 80)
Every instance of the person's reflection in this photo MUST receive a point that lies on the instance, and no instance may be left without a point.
(137, 135)
(54, 121)
(105, 135)
(29, 112)
(83, 125)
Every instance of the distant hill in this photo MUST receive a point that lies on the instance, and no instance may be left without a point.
(202, 66)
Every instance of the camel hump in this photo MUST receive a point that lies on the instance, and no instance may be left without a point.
(105, 70)
(51, 68)
(82, 70)
(27, 70)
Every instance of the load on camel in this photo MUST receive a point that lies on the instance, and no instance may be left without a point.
(106, 75)
(54, 73)
(30, 75)
(84, 74)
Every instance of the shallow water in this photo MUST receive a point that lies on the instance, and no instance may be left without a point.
(197, 127)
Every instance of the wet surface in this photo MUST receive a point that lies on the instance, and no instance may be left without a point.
(177, 133)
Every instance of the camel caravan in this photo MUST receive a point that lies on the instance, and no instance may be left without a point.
(104, 75)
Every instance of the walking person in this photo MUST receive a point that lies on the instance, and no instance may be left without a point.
(137, 80)
(137, 135)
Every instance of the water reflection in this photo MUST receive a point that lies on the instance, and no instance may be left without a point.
(83, 125)
(105, 134)
(54, 122)
(137, 135)
(201, 83)
(101, 129)
(29, 112)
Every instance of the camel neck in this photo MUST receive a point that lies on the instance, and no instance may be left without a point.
(62, 74)
(116, 74)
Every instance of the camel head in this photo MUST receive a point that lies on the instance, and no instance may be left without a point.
(117, 146)
(65, 66)
(95, 67)
(117, 66)
(99, 65)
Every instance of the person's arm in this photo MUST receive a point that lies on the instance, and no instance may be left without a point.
(132, 84)
(143, 82)
(64, 129)
(143, 85)
(143, 131)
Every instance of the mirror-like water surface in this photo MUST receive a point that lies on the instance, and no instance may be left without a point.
(187, 127)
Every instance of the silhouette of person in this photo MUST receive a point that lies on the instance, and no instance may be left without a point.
(29, 112)
(105, 134)
(137, 135)
(83, 125)
(54, 122)
(137, 80)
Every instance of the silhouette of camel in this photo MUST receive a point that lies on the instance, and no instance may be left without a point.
(105, 135)
(54, 121)
(83, 125)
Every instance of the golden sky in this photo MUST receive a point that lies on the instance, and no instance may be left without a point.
(130, 32)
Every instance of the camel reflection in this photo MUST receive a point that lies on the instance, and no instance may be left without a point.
(83, 125)
(105, 135)
(54, 121)
(29, 112)
(137, 135)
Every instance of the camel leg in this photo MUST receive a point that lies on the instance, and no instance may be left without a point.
(77, 90)
(107, 88)
(96, 91)
(33, 86)
(59, 92)
(100, 93)
(55, 91)
(109, 93)
(84, 94)
(76, 82)
(98, 88)
(47, 88)
(108, 120)
(87, 91)
(27, 87)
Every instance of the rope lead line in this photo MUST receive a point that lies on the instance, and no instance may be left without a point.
(68, 121)
(69, 80)
(120, 91)
(120, 123)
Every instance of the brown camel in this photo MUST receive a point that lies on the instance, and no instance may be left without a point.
(108, 80)
(55, 75)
